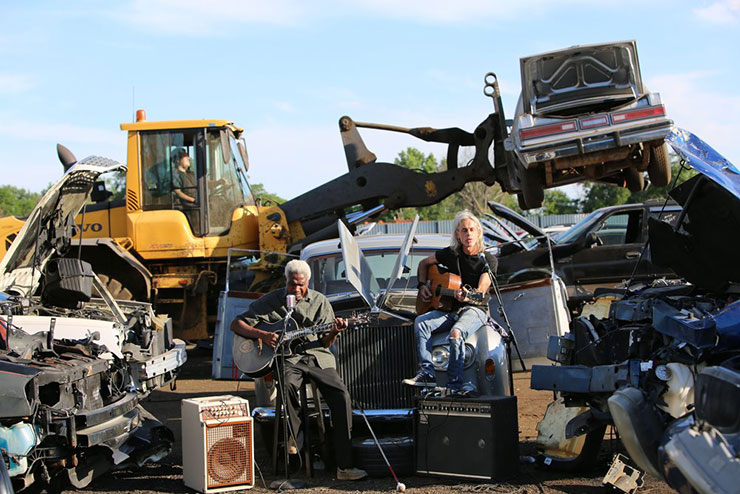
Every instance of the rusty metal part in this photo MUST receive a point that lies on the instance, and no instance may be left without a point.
(594, 158)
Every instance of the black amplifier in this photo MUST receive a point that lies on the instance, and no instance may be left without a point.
(475, 438)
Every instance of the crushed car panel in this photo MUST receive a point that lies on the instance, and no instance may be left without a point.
(73, 368)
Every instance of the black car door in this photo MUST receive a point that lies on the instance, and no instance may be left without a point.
(620, 239)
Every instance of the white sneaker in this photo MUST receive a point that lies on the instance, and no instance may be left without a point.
(351, 473)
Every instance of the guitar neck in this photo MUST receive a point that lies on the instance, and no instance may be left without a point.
(297, 333)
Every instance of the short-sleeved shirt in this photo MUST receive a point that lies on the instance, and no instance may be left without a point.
(312, 310)
(469, 268)
(185, 181)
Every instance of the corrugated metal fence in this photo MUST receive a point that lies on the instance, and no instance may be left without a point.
(445, 226)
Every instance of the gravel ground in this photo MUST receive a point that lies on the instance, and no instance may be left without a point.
(194, 381)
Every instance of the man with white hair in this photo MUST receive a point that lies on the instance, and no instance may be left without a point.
(311, 358)
(463, 258)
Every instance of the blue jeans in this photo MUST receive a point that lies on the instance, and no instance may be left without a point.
(467, 322)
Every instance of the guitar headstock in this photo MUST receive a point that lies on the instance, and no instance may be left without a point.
(360, 320)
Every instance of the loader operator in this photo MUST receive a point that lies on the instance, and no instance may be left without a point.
(185, 188)
(311, 360)
(463, 258)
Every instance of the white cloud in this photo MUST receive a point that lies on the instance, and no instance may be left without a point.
(15, 83)
(284, 106)
(29, 157)
(60, 132)
(196, 17)
(199, 18)
(709, 114)
(723, 12)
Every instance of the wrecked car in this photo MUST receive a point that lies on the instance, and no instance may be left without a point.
(74, 368)
(374, 358)
(584, 113)
(660, 362)
(601, 250)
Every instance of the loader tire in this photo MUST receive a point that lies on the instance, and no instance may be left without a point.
(115, 288)
(659, 166)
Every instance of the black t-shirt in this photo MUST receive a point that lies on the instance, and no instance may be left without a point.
(471, 266)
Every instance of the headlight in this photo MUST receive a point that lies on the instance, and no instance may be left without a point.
(441, 357)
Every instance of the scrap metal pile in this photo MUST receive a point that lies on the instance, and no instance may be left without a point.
(662, 363)
(73, 368)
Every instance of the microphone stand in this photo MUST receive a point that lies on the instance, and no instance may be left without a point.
(286, 483)
(511, 336)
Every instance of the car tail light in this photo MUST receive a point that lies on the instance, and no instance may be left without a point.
(652, 111)
(591, 122)
(490, 368)
(546, 130)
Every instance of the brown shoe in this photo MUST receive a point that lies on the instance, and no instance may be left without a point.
(351, 473)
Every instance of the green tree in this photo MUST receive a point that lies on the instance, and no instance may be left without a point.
(261, 195)
(599, 195)
(115, 183)
(558, 202)
(15, 201)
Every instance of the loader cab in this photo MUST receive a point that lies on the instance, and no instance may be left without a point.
(199, 171)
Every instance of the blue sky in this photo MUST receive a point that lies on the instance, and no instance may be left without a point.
(287, 70)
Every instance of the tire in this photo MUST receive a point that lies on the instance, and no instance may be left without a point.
(634, 180)
(115, 287)
(532, 193)
(659, 166)
(399, 450)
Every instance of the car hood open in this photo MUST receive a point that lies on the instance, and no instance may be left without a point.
(50, 226)
(703, 247)
(515, 218)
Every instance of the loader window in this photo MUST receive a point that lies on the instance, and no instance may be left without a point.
(171, 174)
(225, 193)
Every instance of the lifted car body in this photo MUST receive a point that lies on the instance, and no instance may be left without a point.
(584, 112)
(74, 369)
(640, 368)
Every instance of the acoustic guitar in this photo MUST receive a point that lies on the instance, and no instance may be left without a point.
(255, 359)
(443, 286)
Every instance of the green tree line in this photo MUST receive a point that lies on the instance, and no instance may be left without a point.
(15, 201)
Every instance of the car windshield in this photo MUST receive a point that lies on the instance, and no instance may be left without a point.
(577, 230)
(329, 274)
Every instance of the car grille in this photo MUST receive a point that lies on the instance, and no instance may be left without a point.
(372, 363)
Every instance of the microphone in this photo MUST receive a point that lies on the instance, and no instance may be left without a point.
(290, 303)
(489, 261)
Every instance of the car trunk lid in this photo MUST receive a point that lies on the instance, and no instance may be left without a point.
(583, 78)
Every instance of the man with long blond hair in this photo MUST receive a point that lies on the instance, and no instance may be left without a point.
(463, 258)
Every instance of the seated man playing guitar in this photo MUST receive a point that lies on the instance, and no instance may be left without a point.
(310, 358)
(461, 318)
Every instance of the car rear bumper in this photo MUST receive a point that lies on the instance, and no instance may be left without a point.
(590, 143)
